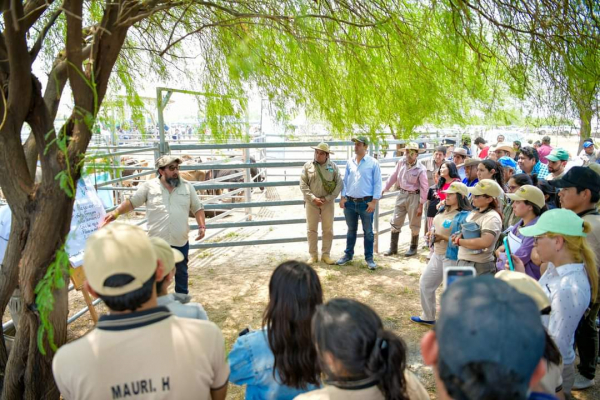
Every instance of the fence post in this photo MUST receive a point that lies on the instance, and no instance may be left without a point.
(248, 178)
(376, 216)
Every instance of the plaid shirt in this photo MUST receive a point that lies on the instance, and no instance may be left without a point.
(540, 169)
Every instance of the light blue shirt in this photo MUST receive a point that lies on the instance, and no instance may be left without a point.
(362, 180)
(251, 361)
(189, 310)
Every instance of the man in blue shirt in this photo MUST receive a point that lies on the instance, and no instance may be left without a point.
(529, 163)
(471, 172)
(360, 194)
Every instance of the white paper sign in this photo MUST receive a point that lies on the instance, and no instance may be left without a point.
(88, 211)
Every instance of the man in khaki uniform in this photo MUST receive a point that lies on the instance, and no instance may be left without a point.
(169, 201)
(411, 177)
(139, 349)
(320, 184)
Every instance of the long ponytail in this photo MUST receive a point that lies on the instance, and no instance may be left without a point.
(389, 360)
(581, 251)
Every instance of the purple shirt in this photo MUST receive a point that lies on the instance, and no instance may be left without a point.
(524, 252)
(409, 178)
(543, 151)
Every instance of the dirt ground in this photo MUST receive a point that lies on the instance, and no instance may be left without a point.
(232, 283)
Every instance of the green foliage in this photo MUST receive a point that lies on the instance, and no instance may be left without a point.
(44, 296)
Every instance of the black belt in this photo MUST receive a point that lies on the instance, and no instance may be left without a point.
(360, 199)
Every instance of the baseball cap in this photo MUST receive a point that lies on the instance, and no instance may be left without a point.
(595, 167)
(449, 141)
(578, 177)
(165, 253)
(529, 193)
(558, 220)
(526, 285)
(166, 160)
(508, 162)
(485, 320)
(118, 248)
(587, 144)
(558, 155)
(361, 139)
(457, 187)
(323, 147)
(469, 162)
(460, 151)
(488, 187)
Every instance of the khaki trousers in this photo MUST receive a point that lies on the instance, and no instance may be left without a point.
(407, 204)
(314, 214)
(431, 279)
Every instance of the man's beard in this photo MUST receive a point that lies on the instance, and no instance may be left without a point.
(174, 182)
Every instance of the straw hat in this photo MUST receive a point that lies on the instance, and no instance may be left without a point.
(323, 147)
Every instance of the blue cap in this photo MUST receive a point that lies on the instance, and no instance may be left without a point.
(485, 320)
(587, 144)
(508, 162)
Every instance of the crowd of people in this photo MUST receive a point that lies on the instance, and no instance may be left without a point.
(538, 305)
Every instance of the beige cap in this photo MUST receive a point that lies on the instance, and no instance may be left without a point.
(165, 253)
(506, 147)
(469, 162)
(460, 151)
(323, 147)
(595, 167)
(457, 187)
(526, 285)
(166, 160)
(530, 193)
(488, 187)
(118, 248)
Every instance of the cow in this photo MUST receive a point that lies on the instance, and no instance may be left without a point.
(256, 174)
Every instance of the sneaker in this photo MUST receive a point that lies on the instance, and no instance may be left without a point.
(344, 260)
(327, 260)
(582, 383)
(371, 264)
(418, 320)
(312, 260)
(182, 297)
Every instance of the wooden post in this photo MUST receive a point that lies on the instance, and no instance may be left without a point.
(78, 278)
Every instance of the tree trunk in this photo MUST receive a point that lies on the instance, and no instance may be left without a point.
(28, 373)
(585, 119)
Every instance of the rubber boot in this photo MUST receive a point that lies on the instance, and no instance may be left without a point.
(413, 246)
(393, 245)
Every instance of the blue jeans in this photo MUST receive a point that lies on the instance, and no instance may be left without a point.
(352, 211)
(181, 270)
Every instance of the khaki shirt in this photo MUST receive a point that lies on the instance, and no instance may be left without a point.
(489, 222)
(414, 389)
(311, 184)
(148, 355)
(593, 239)
(432, 169)
(168, 213)
(442, 223)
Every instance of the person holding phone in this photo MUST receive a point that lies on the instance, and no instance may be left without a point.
(456, 203)
(570, 281)
(528, 203)
(478, 252)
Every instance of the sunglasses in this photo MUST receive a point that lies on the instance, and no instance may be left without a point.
(173, 167)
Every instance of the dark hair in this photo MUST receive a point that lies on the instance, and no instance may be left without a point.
(452, 172)
(537, 210)
(524, 179)
(494, 205)
(159, 285)
(441, 149)
(463, 203)
(129, 301)
(595, 196)
(517, 142)
(480, 140)
(483, 380)
(498, 176)
(553, 201)
(530, 152)
(294, 294)
(354, 335)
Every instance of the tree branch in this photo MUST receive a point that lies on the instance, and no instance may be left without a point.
(33, 53)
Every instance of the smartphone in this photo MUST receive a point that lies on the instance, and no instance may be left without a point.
(508, 254)
(452, 274)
